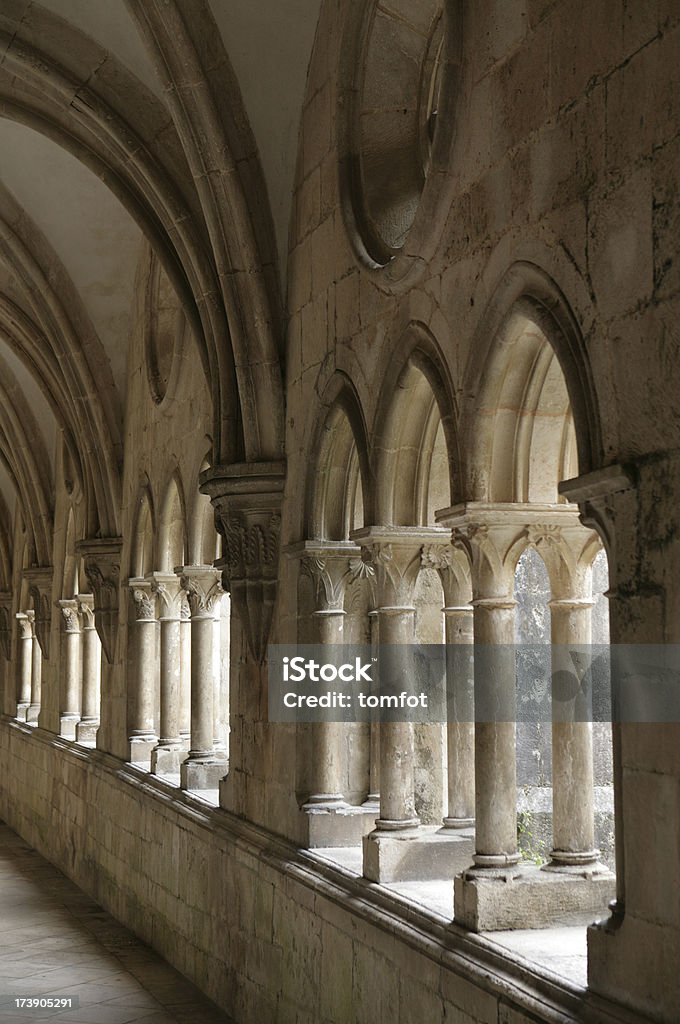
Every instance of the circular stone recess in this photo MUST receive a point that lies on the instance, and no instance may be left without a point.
(398, 69)
(164, 335)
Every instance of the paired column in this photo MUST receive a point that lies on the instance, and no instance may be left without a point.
(69, 688)
(167, 754)
(204, 766)
(568, 553)
(142, 693)
(494, 538)
(91, 652)
(395, 557)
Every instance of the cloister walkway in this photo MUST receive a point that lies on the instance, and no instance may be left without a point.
(56, 942)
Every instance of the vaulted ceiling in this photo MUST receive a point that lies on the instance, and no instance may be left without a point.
(103, 111)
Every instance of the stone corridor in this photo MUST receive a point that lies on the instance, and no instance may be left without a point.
(56, 942)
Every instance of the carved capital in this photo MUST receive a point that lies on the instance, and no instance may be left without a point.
(167, 587)
(86, 610)
(203, 588)
(453, 568)
(395, 555)
(69, 615)
(143, 599)
(25, 624)
(331, 566)
(247, 502)
(102, 569)
(40, 590)
(543, 535)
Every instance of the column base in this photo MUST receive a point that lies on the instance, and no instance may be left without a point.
(21, 712)
(67, 726)
(336, 825)
(202, 774)
(32, 713)
(456, 823)
(417, 855)
(527, 896)
(86, 731)
(141, 747)
(166, 759)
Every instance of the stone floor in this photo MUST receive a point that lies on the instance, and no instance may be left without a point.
(56, 942)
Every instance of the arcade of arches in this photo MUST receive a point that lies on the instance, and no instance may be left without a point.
(327, 321)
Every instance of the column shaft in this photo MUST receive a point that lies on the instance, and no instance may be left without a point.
(397, 803)
(495, 739)
(24, 664)
(572, 748)
(142, 699)
(328, 737)
(36, 681)
(460, 729)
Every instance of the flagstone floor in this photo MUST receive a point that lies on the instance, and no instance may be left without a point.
(56, 942)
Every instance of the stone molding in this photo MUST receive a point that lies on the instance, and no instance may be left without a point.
(102, 570)
(6, 624)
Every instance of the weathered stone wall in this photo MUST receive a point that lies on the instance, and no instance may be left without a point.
(269, 932)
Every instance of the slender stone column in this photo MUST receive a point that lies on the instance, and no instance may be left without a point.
(329, 570)
(568, 552)
(185, 671)
(395, 555)
(218, 722)
(329, 819)
(373, 799)
(69, 689)
(166, 755)
(204, 766)
(36, 679)
(454, 573)
(572, 750)
(400, 848)
(489, 547)
(24, 663)
(86, 730)
(142, 695)
(395, 558)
